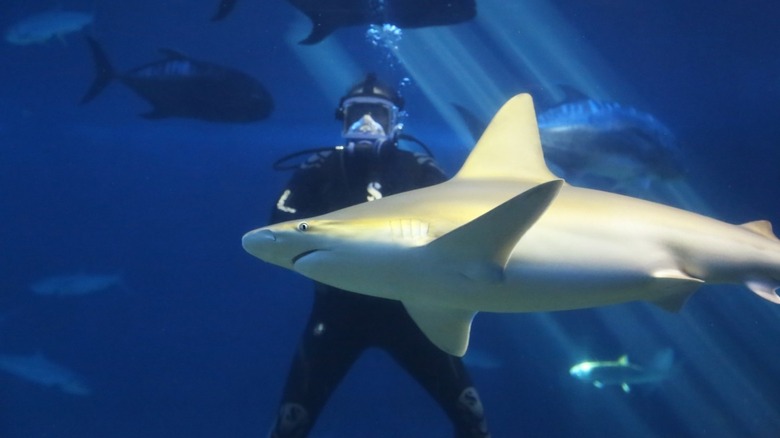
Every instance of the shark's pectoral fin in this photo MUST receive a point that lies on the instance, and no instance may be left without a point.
(678, 287)
(483, 272)
(448, 329)
(484, 245)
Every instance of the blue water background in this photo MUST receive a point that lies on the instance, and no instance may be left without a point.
(198, 342)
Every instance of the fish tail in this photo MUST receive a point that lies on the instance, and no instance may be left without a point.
(318, 33)
(104, 72)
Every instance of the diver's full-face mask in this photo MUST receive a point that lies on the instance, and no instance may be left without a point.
(368, 119)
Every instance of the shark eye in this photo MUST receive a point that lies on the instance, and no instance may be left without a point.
(303, 226)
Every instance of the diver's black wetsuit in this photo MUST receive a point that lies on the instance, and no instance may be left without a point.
(343, 324)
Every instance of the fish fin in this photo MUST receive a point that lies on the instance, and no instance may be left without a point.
(500, 154)
(447, 328)
(571, 94)
(673, 303)
(224, 8)
(626, 387)
(154, 114)
(764, 288)
(623, 360)
(678, 285)
(598, 384)
(104, 72)
(318, 33)
(763, 228)
(169, 53)
(485, 243)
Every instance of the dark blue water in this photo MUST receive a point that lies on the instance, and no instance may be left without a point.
(196, 340)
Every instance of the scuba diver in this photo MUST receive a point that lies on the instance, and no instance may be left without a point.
(343, 324)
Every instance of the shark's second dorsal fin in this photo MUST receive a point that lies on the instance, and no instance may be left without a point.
(510, 147)
(763, 228)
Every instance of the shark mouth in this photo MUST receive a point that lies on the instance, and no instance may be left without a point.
(302, 255)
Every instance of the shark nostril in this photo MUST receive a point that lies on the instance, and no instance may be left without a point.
(266, 235)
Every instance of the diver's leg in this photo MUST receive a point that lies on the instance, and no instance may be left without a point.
(323, 357)
(444, 377)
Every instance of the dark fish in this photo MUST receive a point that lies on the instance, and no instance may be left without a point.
(621, 146)
(329, 15)
(179, 86)
(600, 144)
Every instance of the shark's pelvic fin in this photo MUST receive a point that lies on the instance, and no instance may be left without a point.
(484, 245)
(679, 287)
(449, 329)
(510, 148)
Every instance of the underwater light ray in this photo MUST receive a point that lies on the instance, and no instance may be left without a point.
(555, 337)
(341, 70)
(707, 360)
(535, 36)
(679, 392)
(446, 71)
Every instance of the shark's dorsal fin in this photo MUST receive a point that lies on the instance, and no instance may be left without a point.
(448, 329)
(510, 148)
(484, 245)
(763, 228)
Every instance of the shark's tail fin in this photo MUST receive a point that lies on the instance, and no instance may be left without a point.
(104, 72)
(765, 288)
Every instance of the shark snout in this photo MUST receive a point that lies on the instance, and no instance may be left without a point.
(256, 242)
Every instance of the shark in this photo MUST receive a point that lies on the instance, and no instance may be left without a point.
(507, 235)
(38, 369)
(45, 26)
(623, 372)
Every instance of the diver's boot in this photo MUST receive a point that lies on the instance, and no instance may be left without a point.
(471, 416)
(293, 422)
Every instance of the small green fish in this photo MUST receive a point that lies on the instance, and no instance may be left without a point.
(622, 372)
